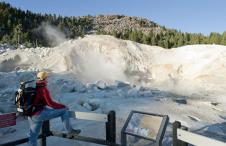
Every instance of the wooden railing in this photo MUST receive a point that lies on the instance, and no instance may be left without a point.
(110, 126)
(182, 137)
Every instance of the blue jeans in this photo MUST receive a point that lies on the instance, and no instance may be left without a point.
(36, 121)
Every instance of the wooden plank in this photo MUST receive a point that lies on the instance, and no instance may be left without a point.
(198, 140)
(8, 124)
(89, 116)
(8, 115)
(7, 120)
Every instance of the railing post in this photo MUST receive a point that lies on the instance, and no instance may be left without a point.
(176, 125)
(182, 142)
(111, 127)
(45, 132)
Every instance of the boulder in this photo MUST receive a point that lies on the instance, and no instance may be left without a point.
(121, 93)
(121, 84)
(181, 101)
(132, 92)
(145, 93)
(82, 89)
(67, 87)
(87, 106)
(90, 86)
(101, 85)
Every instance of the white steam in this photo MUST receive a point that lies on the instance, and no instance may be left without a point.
(53, 35)
(96, 66)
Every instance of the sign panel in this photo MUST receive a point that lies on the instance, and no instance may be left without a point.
(144, 125)
(143, 128)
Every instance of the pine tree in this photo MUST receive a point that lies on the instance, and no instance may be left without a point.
(17, 34)
(215, 38)
(133, 36)
(5, 39)
(223, 40)
(146, 39)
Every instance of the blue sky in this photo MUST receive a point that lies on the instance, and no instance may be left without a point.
(198, 16)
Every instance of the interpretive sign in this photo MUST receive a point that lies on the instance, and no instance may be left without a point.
(146, 126)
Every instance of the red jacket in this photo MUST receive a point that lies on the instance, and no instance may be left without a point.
(43, 98)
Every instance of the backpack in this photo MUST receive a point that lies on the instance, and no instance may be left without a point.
(24, 98)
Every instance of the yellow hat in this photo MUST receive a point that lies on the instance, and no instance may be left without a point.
(42, 75)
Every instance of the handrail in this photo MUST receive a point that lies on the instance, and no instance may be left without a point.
(89, 116)
(196, 139)
(182, 137)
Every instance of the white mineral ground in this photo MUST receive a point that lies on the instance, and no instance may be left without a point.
(100, 73)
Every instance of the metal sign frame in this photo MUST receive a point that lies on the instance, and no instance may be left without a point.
(161, 131)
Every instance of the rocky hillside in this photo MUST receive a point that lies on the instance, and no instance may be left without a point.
(119, 23)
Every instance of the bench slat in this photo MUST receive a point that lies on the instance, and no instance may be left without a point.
(7, 115)
(11, 123)
(7, 120)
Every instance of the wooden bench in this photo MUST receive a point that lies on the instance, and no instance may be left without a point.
(7, 120)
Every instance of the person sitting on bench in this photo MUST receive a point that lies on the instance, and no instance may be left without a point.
(45, 109)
